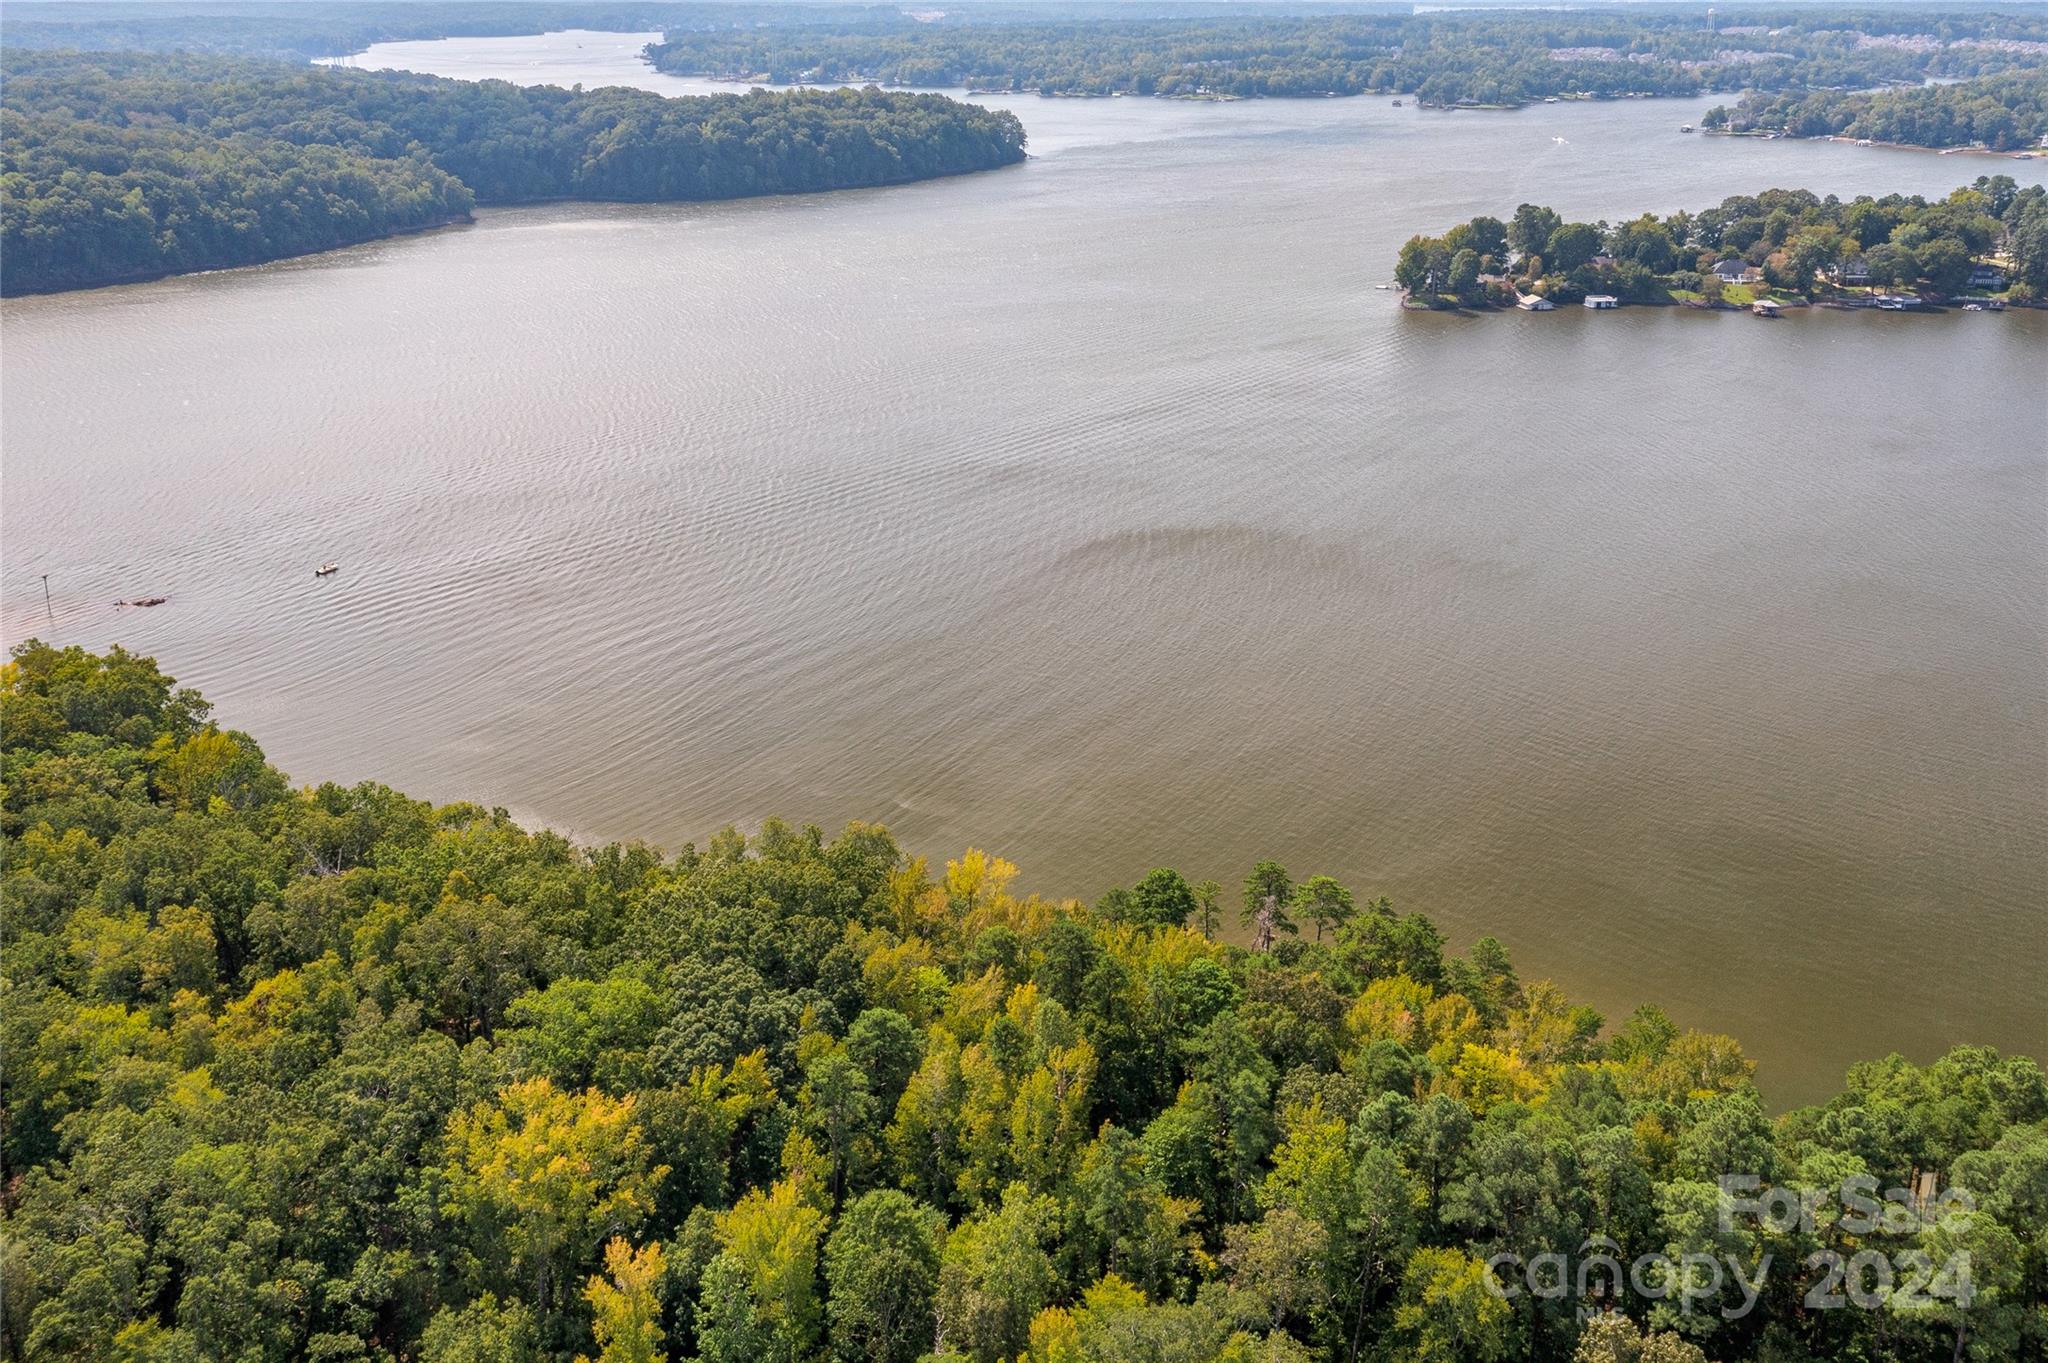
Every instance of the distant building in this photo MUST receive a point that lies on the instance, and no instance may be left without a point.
(1602, 300)
(1736, 272)
(1535, 302)
(1986, 277)
(1856, 271)
(1764, 307)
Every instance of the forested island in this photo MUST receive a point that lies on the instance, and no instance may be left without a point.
(1997, 113)
(329, 1073)
(1495, 58)
(1988, 240)
(125, 166)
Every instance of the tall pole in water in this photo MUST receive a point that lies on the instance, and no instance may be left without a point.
(46, 598)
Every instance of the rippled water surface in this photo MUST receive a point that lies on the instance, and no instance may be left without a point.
(1101, 510)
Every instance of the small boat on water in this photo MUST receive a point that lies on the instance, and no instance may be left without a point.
(144, 601)
(1685, 127)
(1397, 104)
(327, 570)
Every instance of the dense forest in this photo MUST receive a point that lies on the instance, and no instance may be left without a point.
(1791, 241)
(1489, 58)
(2002, 113)
(129, 166)
(328, 1073)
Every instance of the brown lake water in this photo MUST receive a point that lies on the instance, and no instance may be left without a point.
(1102, 511)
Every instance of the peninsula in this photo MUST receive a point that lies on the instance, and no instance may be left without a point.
(1986, 243)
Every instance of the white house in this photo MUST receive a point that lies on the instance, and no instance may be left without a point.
(1736, 272)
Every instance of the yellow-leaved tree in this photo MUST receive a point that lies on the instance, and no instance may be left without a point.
(773, 1237)
(625, 1304)
(542, 1178)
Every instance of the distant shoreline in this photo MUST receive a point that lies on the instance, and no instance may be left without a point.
(2023, 154)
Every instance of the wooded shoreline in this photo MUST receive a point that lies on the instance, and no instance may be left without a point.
(123, 167)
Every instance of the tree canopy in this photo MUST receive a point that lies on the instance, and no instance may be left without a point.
(329, 1073)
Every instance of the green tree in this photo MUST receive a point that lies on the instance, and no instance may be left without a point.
(1128, 1212)
(483, 1331)
(1571, 246)
(728, 1323)
(886, 1047)
(1164, 897)
(1530, 228)
(1463, 276)
(836, 1100)
(1945, 263)
(881, 1276)
(1324, 903)
(584, 1033)
(1487, 237)
(994, 1275)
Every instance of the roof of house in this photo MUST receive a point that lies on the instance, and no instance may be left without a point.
(1731, 269)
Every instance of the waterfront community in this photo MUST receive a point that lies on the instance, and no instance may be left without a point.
(1984, 246)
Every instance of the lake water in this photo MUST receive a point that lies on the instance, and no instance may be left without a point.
(1102, 511)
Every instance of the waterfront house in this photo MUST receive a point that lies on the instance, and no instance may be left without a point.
(1602, 300)
(1534, 302)
(1986, 277)
(1736, 272)
(1854, 272)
